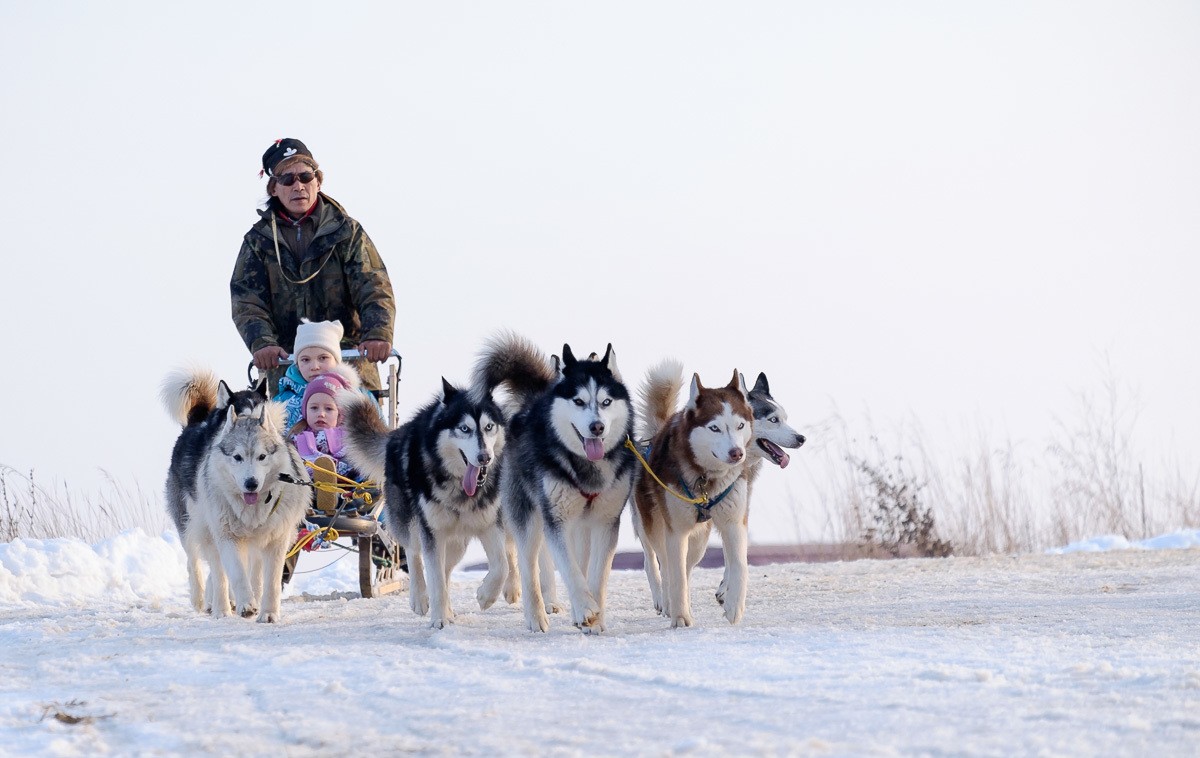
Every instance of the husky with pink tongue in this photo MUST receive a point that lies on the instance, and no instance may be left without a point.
(439, 471)
(235, 489)
(567, 472)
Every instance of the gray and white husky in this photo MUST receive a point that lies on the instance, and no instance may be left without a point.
(228, 492)
(698, 453)
(771, 430)
(567, 473)
(439, 471)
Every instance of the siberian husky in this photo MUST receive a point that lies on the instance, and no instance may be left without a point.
(234, 489)
(439, 471)
(567, 473)
(771, 430)
(696, 454)
(772, 434)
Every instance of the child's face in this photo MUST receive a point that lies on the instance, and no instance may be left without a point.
(321, 412)
(315, 360)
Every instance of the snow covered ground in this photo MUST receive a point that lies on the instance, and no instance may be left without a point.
(1095, 651)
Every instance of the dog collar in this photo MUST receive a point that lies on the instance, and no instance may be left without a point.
(704, 507)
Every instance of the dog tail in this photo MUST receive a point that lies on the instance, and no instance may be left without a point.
(366, 434)
(658, 396)
(514, 361)
(189, 394)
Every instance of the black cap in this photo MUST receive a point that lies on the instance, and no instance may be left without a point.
(281, 150)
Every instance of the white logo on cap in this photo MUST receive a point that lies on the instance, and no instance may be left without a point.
(289, 152)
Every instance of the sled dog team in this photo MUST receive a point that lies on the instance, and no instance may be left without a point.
(540, 480)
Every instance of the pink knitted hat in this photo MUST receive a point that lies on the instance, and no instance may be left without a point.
(328, 383)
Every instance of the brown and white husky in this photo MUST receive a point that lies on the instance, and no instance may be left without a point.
(696, 454)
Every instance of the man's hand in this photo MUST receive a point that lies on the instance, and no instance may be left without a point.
(268, 357)
(376, 351)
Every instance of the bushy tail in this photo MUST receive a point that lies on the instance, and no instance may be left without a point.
(189, 394)
(366, 434)
(658, 396)
(515, 362)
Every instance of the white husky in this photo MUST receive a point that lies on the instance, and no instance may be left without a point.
(235, 490)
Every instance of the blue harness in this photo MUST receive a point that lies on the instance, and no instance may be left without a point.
(703, 510)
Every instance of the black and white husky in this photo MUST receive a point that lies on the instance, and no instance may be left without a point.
(567, 473)
(234, 489)
(439, 471)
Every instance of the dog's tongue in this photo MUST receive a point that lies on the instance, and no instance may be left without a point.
(470, 480)
(251, 498)
(593, 448)
(781, 458)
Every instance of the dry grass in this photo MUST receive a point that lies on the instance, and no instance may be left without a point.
(881, 491)
(32, 510)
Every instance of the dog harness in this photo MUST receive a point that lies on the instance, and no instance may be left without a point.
(704, 508)
(703, 504)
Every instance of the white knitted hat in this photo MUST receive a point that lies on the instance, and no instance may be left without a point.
(326, 334)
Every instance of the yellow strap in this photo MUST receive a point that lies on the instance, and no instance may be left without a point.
(693, 500)
(330, 535)
(357, 488)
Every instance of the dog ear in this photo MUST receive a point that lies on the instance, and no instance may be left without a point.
(761, 385)
(224, 394)
(260, 387)
(231, 416)
(610, 362)
(736, 384)
(568, 357)
(694, 392)
(448, 391)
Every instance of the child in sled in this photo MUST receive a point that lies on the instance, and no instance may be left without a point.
(318, 349)
(318, 437)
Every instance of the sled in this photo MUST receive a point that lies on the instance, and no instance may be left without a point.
(357, 514)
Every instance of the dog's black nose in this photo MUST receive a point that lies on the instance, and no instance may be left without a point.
(596, 428)
(250, 485)
(801, 436)
(484, 458)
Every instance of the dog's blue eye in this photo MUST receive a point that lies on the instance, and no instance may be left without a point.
(774, 419)
(607, 402)
(489, 427)
(715, 428)
(742, 425)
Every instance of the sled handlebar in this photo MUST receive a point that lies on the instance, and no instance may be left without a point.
(347, 355)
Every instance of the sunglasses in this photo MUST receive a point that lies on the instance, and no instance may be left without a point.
(288, 180)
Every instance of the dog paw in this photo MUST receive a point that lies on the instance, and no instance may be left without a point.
(486, 597)
(439, 623)
(588, 616)
(512, 595)
(683, 620)
(419, 605)
(733, 614)
(595, 627)
(554, 607)
(246, 611)
(268, 618)
(538, 622)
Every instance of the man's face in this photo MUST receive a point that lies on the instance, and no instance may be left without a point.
(299, 197)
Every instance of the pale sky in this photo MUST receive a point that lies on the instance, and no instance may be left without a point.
(935, 210)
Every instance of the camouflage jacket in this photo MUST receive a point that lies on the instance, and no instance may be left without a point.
(352, 287)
